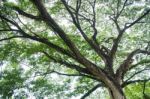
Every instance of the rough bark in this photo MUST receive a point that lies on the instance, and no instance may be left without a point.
(116, 94)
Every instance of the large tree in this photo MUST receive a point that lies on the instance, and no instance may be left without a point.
(104, 42)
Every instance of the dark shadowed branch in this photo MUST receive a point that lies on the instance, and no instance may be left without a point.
(93, 25)
(137, 20)
(77, 57)
(77, 24)
(69, 65)
(135, 81)
(8, 30)
(138, 72)
(91, 91)
(56, 28)
(119, 12)
(12, 37)
(56, 72)
(126, 64)
(121, 31)
(42, 40)
(145, 61)
(21, 12)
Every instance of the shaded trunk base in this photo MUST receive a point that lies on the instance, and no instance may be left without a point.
(116, 94)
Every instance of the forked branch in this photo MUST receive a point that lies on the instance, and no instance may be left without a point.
(124, 67)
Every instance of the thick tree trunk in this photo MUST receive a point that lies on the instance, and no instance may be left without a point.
(116, 94)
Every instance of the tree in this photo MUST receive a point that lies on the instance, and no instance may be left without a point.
(103, 42)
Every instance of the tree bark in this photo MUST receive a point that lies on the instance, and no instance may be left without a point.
(116, 94)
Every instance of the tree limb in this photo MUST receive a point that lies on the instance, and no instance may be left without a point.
(94, 70)
(134, 81)
(69, 65)
(123, 7)
(12, 37)
(91, 91)
(66, 74)
(53, 71)
(124, 67)
(77, 24)
(9, 30)
(121, 32)
(55, 27)
(137, 20)
(139, 63)
(21, 12)
(42, 40)
(138, 72)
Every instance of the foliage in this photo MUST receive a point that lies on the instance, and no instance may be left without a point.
(10, 80)
(67, 47)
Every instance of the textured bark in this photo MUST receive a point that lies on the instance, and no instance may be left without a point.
(116, 94)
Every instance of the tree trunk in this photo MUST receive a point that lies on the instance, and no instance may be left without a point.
(116, 94)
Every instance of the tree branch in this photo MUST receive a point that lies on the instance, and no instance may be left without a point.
(123, 7)
(91, 91)
(134, 81)
(124, 67)
(121, 32)
(69, 65)
(56, 28)
(94, 70)
(90, 68)
(9, 30)
(12, 37)
(77, 24)
(66, 74)
(137, 20)
(21, 12)
(42, 40)
(53, 71)
(139, 63)
(138, 72)
(94, 22)
(78, 57)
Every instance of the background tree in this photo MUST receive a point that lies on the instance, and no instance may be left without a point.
(97, 43)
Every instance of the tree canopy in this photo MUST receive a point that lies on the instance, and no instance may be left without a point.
(60, 49)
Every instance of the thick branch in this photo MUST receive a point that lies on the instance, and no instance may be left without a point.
(42, 40)
(55, 27)
(69, 65)
(77, 24)
(120, 31)
(78, 57)
(92, 68)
